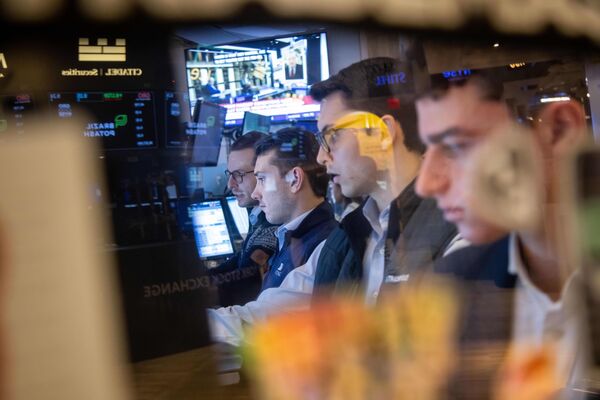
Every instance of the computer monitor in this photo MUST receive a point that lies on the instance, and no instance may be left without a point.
(240, 216)
(210, 230)
(256, 122)
(208, 120)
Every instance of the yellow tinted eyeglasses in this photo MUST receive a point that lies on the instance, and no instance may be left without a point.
(354, 121)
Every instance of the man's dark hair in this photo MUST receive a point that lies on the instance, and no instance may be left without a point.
(381, 86)
(488, 85)
(296, 147)
(248, 141)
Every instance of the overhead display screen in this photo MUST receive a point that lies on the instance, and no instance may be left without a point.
(14, 111)
(270, 77)
(121, 120)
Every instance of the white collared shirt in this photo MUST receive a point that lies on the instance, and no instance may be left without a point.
(538, 319)
(374, 257)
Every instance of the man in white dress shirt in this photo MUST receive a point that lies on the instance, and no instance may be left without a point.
(528, 300)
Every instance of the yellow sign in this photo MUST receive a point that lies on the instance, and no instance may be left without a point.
(102, 51)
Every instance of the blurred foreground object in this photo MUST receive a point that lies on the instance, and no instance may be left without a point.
(569, 18)
(404, 348)
(528, 374)
(585, 251)
(506, 180)
(59, 309)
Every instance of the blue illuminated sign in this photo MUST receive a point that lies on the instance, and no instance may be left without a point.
(456, 74)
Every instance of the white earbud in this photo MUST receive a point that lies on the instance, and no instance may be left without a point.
(290, 178)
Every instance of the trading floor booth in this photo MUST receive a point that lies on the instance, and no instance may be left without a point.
(161, 104)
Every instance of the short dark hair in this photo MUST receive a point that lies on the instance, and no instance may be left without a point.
(296, 147)
(248, 141)
(381, 86)
(488, 85)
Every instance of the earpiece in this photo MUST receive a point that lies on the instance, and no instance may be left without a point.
(290, 178)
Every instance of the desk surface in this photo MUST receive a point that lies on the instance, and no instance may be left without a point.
(187, 375)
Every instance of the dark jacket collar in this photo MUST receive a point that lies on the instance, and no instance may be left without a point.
(401, 209)
(320, 214)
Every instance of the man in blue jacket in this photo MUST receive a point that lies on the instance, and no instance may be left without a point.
(290, 190)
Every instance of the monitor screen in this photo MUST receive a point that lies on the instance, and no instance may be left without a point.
(210, 230)
(207, 132)
(256, 122)
(121, 120)
(240, 216)
(269, 77)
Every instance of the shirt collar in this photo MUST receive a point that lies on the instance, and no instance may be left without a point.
(516, 266)
(377, 220)
(290, 226)
(253, 216)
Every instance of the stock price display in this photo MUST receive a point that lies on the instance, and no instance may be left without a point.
(14, 111)
(121, 120)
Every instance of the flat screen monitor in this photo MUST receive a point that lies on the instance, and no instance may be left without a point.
(256, 122)
(268, 77)
(240, 216)
(207, 131)
(210, 230)
(120, 120)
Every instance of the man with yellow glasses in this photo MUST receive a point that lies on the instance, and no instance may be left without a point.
(370, 146)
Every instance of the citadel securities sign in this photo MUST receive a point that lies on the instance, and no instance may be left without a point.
(101, 51)
(569, 17)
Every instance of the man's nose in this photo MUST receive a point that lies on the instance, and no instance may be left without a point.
(231, 183)
(323, 157)
(256, 195)
(433, 176)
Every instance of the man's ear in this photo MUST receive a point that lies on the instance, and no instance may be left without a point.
(295, 178)
(394, 132)
(561, 126)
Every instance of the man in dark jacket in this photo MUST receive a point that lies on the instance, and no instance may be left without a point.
(370, 146)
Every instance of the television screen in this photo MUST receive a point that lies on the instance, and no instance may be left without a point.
(207, 133)
(240, 216)
(256, 122)
(269, 77)
(121, 120)
(210, 230)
